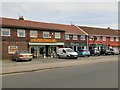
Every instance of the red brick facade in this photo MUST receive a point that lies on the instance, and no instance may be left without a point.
(23, 42)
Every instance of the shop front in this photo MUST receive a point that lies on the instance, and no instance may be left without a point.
(98, 46)
(76, 46)
(115, 46)
(44, 47)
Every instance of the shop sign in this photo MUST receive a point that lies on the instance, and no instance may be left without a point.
(75, 44)
(42, 40)
(12, 49)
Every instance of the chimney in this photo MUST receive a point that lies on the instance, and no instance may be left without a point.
(108, 28)
(21, 18)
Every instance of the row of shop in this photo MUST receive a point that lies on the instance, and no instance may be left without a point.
(47, 38)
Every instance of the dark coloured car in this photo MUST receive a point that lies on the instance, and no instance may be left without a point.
(106, 52)
(95, 52)
(82, 53)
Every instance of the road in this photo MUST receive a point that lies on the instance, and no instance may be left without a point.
(98, 75)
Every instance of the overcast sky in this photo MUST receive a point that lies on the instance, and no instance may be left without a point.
(82, 12)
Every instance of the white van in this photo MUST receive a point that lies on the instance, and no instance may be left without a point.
(67, 53)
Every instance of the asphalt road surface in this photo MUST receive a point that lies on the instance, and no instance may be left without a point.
(98, 75)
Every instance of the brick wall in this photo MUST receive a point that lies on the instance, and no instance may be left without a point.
(21, 42)
(5, 44)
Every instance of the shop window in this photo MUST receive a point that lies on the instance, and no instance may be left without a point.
(75, 37)
(82, 37)
(104, 38)
(57, 35)
(46, 35)
(20, 33)
(67, 37)
(33, 33)
(5, 32)
(112, 39)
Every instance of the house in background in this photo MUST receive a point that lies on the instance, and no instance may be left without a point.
(102, 38)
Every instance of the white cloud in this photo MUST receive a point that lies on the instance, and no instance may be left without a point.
(64, 12)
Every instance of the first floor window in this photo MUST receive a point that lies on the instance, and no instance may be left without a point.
(104, 38)
(82, 37)
(33, 33)
(117, 38)
(57, 35)
(75, 37)
(20, 33)
(46, 35)
(67, 37)
(98, 38)
(91, 38)
(5, 32)
(112, 39)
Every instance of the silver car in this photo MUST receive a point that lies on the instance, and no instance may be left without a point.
(22, 55)
(115, 51)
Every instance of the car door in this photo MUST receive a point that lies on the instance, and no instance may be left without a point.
(63, 53)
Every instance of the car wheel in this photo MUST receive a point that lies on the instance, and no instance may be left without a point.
(30, 60)
(58, 56)
(16, 60)
(76, 57)
(67, 57)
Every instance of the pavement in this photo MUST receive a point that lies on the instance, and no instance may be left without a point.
(9, 67)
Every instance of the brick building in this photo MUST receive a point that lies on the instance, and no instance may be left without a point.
(102, 38)
(43, 39)
(37, 37)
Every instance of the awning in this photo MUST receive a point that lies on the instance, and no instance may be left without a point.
(117, 44)
(58, 43)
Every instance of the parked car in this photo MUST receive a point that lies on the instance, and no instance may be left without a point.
(82, 53)
(106, 52)
(67, 53)
(114, 51)
(22, 55)
(95, 52)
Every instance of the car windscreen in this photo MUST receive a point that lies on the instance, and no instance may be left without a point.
(85, 51)
(69, 50)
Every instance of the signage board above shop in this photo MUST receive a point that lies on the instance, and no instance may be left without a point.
(39, 40)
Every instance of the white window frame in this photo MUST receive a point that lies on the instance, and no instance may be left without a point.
(82, 37)
(111, 38)
(117, 39)
(35, 33)
(90, 38)
(98, 38)
(57, 35)
(5, 29)
(67, 37)
(75, 37)
(104, 38)
(21, 30)
(45, 32)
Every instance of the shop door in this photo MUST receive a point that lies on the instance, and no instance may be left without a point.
(47, 50)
